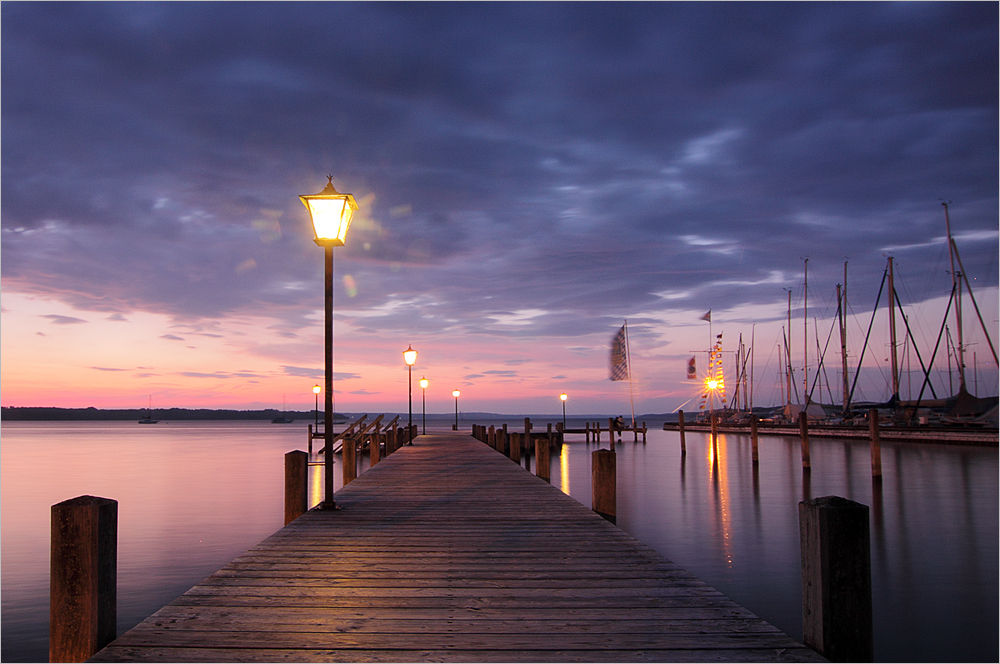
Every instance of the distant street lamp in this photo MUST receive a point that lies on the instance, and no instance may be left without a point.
(316, 391)
(410, 356)
(563, 398)
(330, 213)
(456, 394)
(423, 404)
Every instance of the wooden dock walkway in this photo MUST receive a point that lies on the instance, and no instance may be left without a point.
(448, 551)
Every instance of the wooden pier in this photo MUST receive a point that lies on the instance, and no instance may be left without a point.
(448, 551)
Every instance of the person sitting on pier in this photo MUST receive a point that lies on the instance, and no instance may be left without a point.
(619, 426)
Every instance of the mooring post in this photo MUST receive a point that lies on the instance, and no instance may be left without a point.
(348, 448)
(680, 427)
(515, 447)
(296, 485)
(586, 430)
(560, 432)
(310, 441)
(804, 433)
(836, 579)
(753, 438)
(603, 477)
(876, 445)
(715, 428)
(83, 577)
(375, 447)
(504, 442)
(542, 455)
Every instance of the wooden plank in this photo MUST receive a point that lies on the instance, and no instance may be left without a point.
(446, 551)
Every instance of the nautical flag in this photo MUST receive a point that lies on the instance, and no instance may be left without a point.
(692, 372)
(619, 356)
(707, 316)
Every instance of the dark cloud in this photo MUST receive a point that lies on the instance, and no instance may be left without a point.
(582, 160)
(63, 320)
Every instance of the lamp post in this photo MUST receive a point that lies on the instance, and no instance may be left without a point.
(423, 404)
(563, 397)
(330, 213)
(410, 356)
(316, 391)
(456, 394)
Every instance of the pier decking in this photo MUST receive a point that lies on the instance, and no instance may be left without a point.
(448, 551)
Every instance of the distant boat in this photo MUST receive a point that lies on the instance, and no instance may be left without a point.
(149, 414)
(282, 419)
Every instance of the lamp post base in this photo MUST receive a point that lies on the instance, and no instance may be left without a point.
(328, 506)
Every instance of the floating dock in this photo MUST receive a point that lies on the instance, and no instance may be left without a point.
(448, 551)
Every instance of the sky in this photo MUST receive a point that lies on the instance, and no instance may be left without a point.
(530, 177)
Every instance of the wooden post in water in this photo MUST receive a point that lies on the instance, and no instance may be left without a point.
(375, 447)
(83, 577)
(586, 430)
(310, 441)
(603, 478)
(836, 579)
(876, 444)
(680, 427)
(542, 455)
(715, 428)
(753, 438)
(296, 485)
(804, 433)
(348, 448)
(515, 447)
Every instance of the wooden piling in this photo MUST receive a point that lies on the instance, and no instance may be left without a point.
(836, 579)
(876, 445)
(296, 485)
(680, 427)
(804, 433)
(83, 577)
(375, 447)
(310, 437)
(542, 455)
(715, 428)
(348, 448)
(753, 438)
(515, 447)
(603, 480)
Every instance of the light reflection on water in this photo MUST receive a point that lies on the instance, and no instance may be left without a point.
(192, 496)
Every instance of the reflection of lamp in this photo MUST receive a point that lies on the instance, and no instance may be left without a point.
(330, 212)
(456, 394)
(423, 404)
(316, 391)
(410, 356)
(563, 397)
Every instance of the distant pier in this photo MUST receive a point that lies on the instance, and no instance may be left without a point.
(447, 551)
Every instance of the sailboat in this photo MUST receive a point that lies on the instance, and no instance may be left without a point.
(282, 419)
(149, 414)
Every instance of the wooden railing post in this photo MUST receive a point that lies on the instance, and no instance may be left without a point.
(542, 455)
(83, 577)
(296, 485)
(804, 433)
(491, 436)
(375, 447)
(603, 480)
(876, 445)
(680, 427)
(836, 579)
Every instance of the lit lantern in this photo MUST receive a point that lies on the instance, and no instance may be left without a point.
(331, 213)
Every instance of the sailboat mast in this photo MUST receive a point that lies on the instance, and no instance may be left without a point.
(628, 361)
(841, 302)
(805, 337)
(788, 352)
(956, 284)
(892, 333)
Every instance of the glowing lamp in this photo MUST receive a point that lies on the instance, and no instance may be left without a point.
(563, 396)
(331, 213)
(456, 394)
(317, 389)
(423, 383)
(409, 355)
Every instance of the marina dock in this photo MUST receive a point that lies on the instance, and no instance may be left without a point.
(447, 551)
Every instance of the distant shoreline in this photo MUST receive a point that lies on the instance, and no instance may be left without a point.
(52, 414)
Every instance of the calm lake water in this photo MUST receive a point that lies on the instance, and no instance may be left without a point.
(193, 495)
